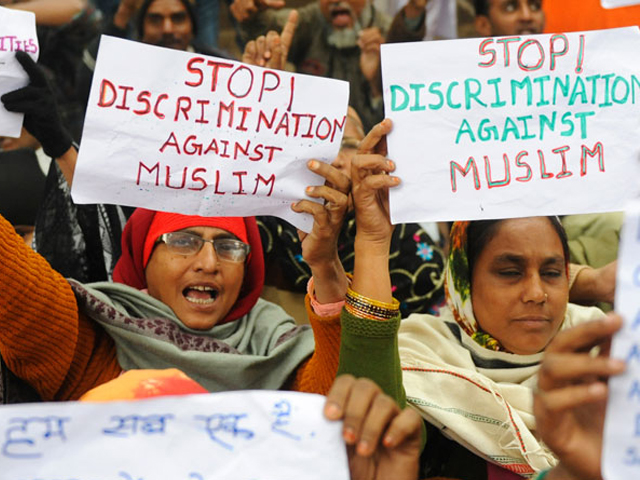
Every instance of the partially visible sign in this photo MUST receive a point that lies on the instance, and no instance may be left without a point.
(17, 32)
(236, 435)
(181, 132)
(621, 444)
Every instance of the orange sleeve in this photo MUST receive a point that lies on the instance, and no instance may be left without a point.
(316, 375)
(577, 15)
(43, 339)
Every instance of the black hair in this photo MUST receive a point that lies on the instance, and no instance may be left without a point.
(147, 3)
(480, 233)
(481, 6)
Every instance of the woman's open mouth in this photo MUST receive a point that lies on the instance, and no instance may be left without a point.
(200, 294)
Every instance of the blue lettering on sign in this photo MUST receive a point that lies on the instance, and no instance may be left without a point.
(226, 425)
(282, 412)
(23, 437)
(133, 424)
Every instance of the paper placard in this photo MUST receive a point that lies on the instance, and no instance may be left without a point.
(235, 435)
(18, 32)
(621, 445)
(181, 132)
(513, 126)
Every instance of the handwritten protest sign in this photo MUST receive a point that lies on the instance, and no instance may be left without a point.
(619, 3)
(621, 452)
(513, 126)
(235, 435)
(17, 32)
(186, 133)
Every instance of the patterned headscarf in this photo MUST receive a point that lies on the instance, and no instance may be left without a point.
(458, 288)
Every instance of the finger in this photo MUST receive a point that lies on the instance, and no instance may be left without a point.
(561, 368)
(405, 426)
(331, 174)
(35, 74)
(375, 137)
(23, 100)
(378, 418)
(372, 161)
(288, 30)
(260, 49)
(338, 396)
(249, 54)
(357, 408)
(585, 336)
(571, 397)
(333, 197)
(379, 182)
(271, 42)
(319, 212)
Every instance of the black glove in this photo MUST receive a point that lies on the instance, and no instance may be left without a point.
(37, 102)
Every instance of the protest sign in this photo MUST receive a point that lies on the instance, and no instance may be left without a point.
(186, 133)
(621, 446)
(619, 3)
(513, 126)
(235, 435)
(18, 33)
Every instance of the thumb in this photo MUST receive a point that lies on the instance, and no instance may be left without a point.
(36, 75)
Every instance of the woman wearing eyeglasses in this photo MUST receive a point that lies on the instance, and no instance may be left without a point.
(186, 295)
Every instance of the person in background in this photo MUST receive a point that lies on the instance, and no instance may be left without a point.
(333, 39)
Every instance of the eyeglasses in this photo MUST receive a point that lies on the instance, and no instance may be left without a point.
(184, 243)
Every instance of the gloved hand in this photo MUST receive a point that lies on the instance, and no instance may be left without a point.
(37, 102)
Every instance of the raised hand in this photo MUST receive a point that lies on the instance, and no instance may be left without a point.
(37, 102)
(271, 51)
(320, 246)
(371, 183)
(383, 442)
(572, 394)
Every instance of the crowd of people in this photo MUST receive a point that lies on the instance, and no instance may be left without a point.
(465, 350)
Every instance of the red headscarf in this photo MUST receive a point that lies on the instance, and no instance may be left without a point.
(130, 267)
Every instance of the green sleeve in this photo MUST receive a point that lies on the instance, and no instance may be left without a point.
(369, 348)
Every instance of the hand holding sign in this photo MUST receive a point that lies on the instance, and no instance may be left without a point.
(570, 402)
(383, 441)
(371, 183)
(320, 246)
(37, 102)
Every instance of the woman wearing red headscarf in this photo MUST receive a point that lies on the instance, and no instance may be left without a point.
(187, 296)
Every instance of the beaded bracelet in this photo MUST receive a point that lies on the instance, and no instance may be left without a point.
(364, 307)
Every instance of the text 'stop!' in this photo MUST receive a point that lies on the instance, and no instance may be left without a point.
(514, 126)
(186, 133)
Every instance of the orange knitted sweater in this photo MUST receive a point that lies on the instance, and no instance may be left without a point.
(46, 341)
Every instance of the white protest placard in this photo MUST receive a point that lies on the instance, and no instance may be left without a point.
(17, 32)
(185, 133)
(235, 435)
(619, 3)
(621, 445)
(513, 126)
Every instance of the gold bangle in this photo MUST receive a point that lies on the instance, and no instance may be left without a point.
(395, 305)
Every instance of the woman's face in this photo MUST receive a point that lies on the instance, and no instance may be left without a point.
(519, 286)
(200, 288)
